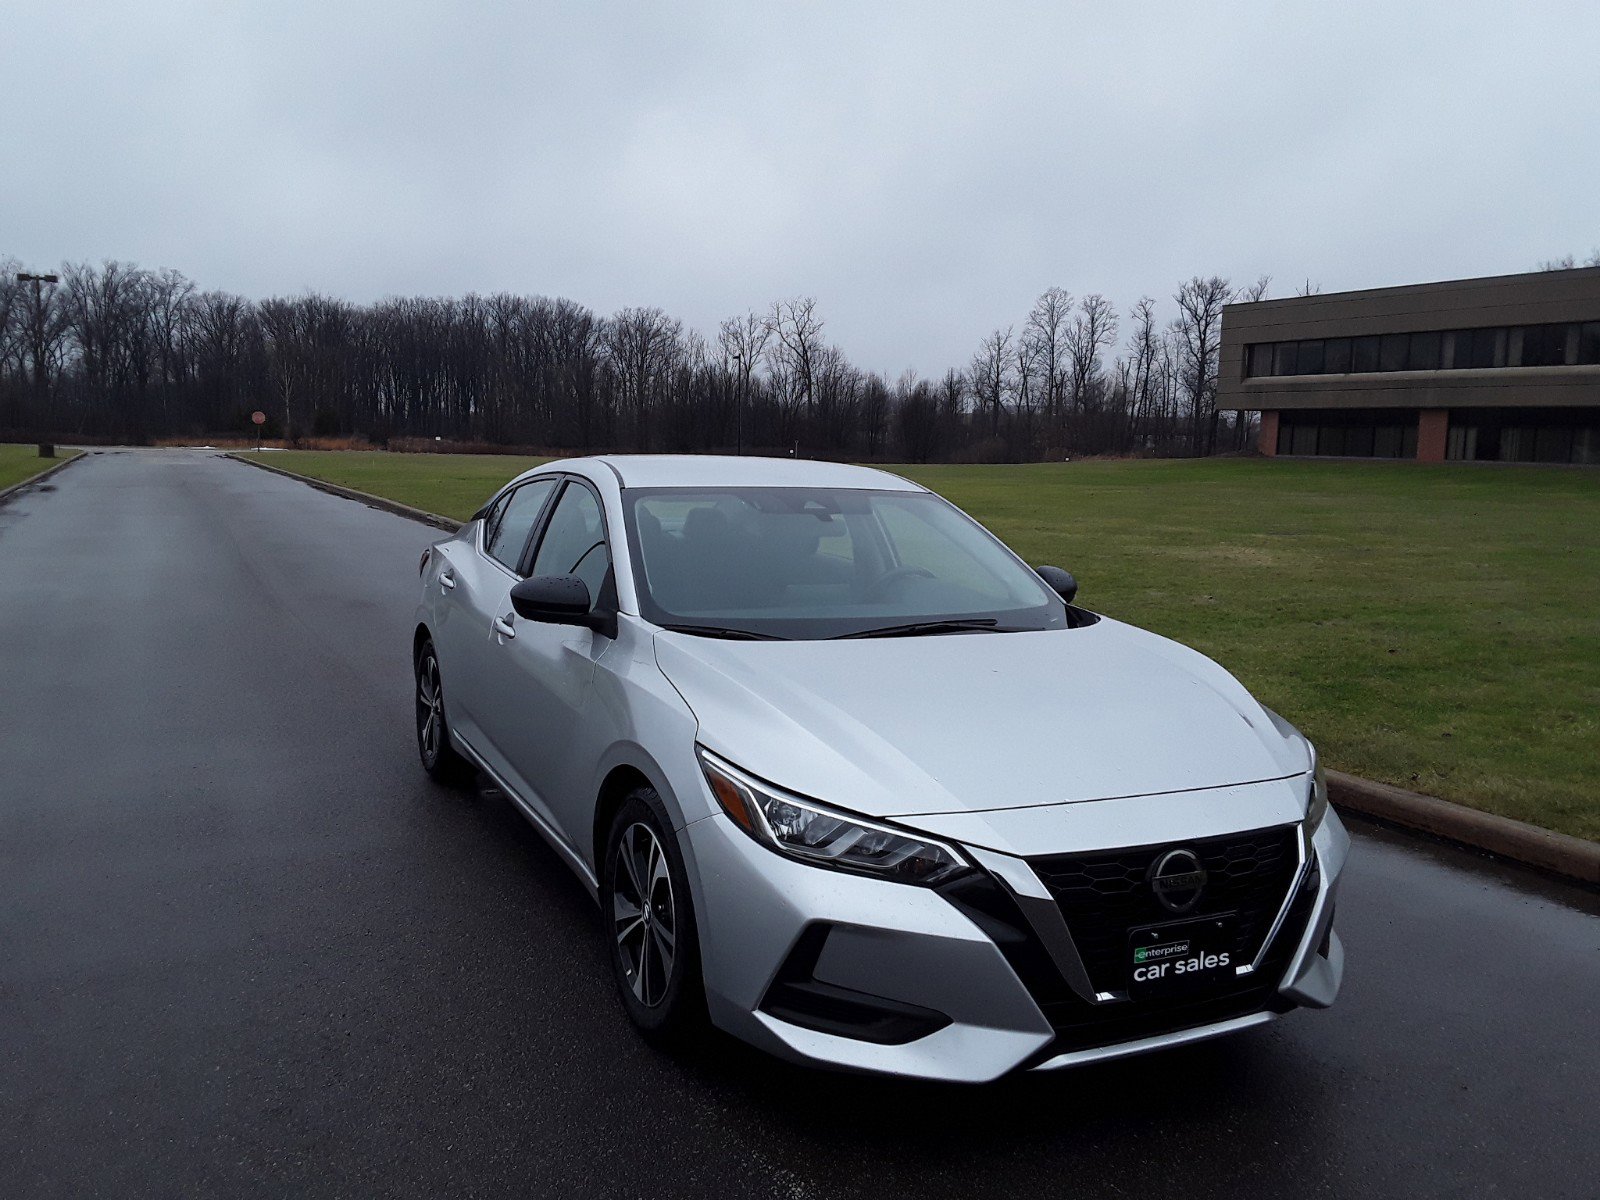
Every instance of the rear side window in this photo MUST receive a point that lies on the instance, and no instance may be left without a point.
(505, 533)
(574, 541)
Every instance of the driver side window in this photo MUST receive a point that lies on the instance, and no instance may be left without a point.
(574, 541)
(509, 523)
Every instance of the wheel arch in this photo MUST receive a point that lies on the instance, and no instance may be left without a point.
(620, 783)
(630, 766)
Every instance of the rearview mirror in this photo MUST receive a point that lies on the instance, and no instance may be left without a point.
(1061, 581)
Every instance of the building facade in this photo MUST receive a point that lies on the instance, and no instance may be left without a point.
(1499, 369)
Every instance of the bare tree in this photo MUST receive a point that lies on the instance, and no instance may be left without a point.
(952, 400)
(106, 317)
(1145, 348)
(991, 375)
(1026, 387)
(11, 303)
(1092, 332)
(1199, 330)
(917, 419)
(643, 345)
(222, 334)
(743, 341)
(1255, 291)
(1568, 262)
(798, 330)
(874, 413)
(1046, 335)
(839, 397)
(169, 296)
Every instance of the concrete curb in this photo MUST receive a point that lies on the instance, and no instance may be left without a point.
(1558, 853)
(7, 493)
(367, 498)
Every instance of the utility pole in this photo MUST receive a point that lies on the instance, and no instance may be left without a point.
(38, 338)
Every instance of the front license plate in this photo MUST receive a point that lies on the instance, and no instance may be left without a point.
(1180, 956)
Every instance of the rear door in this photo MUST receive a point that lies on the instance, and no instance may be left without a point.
(539, 677)
(474, 585)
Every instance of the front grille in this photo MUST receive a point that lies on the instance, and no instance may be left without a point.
(1080, 1025)
(1105, 893)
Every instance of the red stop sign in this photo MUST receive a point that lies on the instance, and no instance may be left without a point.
(259, 417)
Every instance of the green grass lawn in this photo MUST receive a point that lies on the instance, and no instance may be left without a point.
(452, 485)
(23, 462)
(1436, 627)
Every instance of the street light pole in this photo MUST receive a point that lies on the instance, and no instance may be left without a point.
(38, 337)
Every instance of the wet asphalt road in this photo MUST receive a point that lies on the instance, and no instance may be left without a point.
(246, 948)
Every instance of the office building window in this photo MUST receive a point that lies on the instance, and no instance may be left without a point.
(1566, 344)
(1589, 342)
(1336, 356)
(1349, 433)
(1392, 351)
(1545, 435)
(1488, 348)
(1364, 354)
(1423, 352)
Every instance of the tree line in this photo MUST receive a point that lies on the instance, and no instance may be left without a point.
(117, 352)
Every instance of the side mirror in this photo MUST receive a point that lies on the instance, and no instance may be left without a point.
(554, 599)
(1061, 581)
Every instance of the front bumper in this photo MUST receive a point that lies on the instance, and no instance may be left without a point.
(963, 987)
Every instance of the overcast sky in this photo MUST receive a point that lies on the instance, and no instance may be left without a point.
(924, 170)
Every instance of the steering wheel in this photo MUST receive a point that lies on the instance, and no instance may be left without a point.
(880, 585)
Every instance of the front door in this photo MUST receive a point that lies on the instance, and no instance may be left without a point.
(473, 587)
(538, 676)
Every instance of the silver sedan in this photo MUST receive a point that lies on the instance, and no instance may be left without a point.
(854, 783)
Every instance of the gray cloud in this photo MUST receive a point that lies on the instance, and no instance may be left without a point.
(923, 169)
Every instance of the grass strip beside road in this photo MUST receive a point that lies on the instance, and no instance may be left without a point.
(1432, 627)
(450, 485)
(20, 463)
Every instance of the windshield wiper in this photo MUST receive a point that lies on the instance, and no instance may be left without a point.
(921, 628)
(723, 631)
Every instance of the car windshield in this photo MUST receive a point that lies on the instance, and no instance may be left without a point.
(825, 562)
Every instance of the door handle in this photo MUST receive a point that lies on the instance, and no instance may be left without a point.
(502, 626)
(447, 580)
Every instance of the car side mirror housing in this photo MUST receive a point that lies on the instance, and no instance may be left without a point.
(1060, 581)
(560, 600)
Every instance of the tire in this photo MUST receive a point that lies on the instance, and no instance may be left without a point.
(654, 947)
(439, 757)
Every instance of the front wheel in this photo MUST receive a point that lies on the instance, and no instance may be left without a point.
(439, 757)
(655, 947)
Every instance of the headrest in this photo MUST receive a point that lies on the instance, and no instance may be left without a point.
(705, 523)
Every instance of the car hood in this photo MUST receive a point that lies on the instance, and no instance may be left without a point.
(975, 722)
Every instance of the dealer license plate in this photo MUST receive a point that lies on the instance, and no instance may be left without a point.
(1180, 956)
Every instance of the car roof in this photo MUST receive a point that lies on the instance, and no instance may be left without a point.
(723, 470)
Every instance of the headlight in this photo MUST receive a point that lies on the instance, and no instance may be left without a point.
(1317, 805)
(821, 836)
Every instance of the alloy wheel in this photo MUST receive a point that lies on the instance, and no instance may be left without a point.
(430, 709)
(643, 914)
